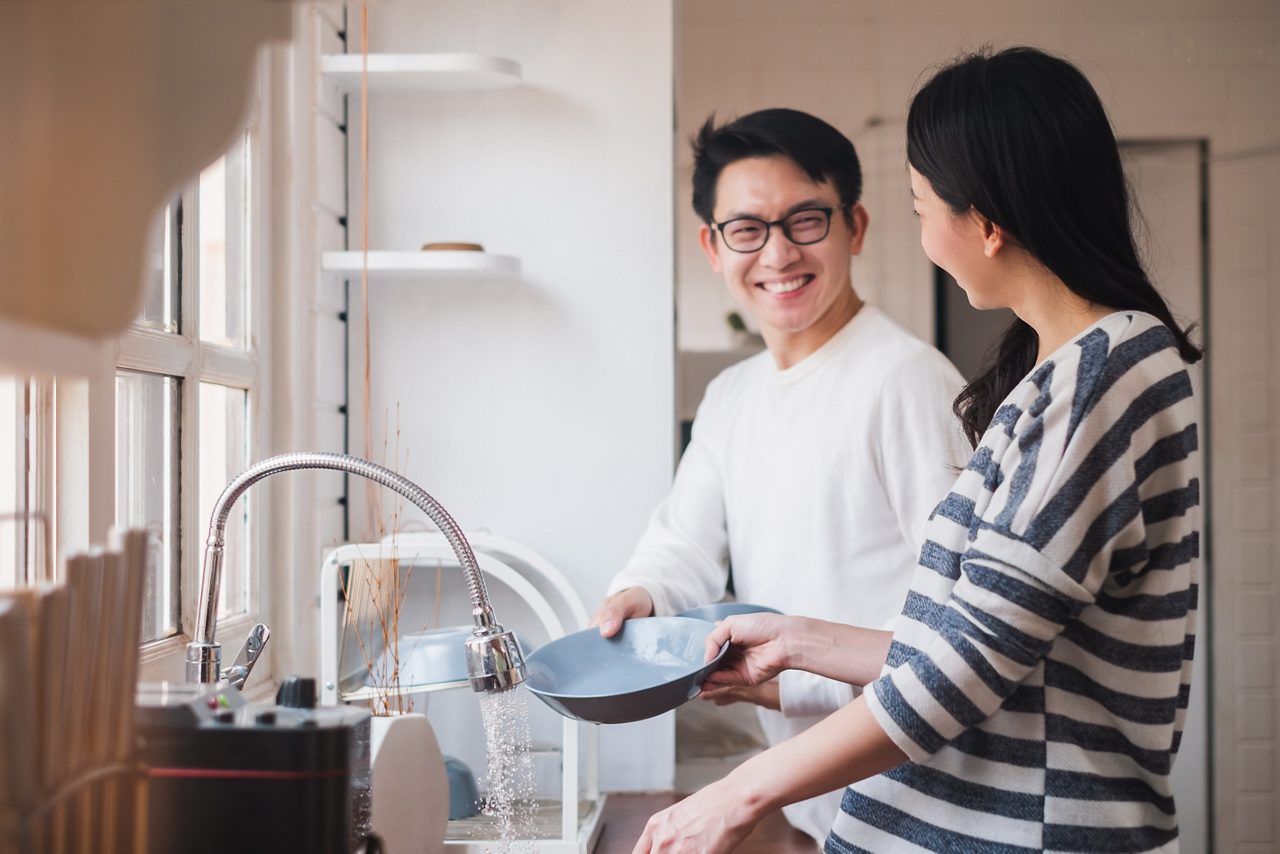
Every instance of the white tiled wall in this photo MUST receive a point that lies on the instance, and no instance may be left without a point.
(1192, 69)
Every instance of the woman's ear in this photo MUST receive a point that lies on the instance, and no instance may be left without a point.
(992, 236)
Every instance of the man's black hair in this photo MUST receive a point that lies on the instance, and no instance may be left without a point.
(821, 151)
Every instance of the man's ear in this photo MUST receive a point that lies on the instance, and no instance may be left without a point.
(993, 236)
(860, 219)
(707, 240)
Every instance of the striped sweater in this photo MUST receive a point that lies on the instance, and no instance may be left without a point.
(1039, 674)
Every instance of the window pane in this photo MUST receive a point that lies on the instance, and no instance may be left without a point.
(224, 248)
(224, 454)
(11, 485)
(160, 305)
(147, 409)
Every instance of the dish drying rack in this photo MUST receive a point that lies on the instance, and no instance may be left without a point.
(70, 780)
(513, 565)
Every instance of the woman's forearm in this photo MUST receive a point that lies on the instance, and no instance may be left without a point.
(838, 651)
(843, 748)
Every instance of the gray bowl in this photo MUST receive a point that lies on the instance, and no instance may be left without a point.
(717, 612)
(649, 667)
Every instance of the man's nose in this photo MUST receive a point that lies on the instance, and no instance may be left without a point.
(778, 250)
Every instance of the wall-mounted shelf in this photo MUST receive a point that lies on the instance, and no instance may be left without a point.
(421, 265)
(441, 72)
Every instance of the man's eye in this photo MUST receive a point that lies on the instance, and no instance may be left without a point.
(745, 229)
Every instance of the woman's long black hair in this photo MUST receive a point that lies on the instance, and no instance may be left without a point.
(1022, 138)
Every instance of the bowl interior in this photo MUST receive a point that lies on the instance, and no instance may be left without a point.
(720, 610)
(647, 653)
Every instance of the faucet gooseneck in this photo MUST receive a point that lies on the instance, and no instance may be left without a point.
(495, 661)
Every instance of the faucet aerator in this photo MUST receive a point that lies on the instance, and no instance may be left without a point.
(495, 662)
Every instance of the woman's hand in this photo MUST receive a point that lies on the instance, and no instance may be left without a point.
(713, 820)
(758, 648)
(763, 645)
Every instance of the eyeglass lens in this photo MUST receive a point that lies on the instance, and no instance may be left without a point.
(802, 228)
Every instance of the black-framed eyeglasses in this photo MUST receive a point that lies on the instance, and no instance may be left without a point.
(803, 227)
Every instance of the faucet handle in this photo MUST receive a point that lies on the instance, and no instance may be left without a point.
(238, 672)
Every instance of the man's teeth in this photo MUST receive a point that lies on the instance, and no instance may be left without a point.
(785, 287)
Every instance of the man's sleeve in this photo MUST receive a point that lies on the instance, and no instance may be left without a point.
(682, 557)
(922, 445)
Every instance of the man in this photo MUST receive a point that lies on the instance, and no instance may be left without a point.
(814, 465)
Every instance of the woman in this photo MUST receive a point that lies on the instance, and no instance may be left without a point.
(1033, 693)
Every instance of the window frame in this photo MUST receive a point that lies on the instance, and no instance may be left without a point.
(185, 356)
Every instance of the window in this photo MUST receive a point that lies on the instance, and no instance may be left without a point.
(187, 388)
(25, 526)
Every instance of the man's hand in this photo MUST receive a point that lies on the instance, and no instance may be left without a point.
(623, 605)
(765, 694)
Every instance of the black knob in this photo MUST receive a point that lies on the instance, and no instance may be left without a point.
(297, 692)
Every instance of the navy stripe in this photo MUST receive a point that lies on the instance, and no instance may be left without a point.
(1142, 658)
(916, 727)
(898, 654)
(1010, 642)
(1109, 448)
(1029, 448)
(1143, 710)
(836, 845)
(957, 631)
(940, 559)
(1105, 840)
(1027, 699)
(1037, 601)
(1166, 451)
(1005, 418)
(1118, 515)
(905, 826)
(1093, 360)
(1104, 739)
(957, 508)
(1163, 557)
(1175, 502)
(984, 464)
(1126, 558)
(1022, 752)
(1079, 786)
(974, 796)
(1128, 354)
(942, 689)
(1142, 606)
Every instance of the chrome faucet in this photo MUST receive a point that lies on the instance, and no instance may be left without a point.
(495, 661)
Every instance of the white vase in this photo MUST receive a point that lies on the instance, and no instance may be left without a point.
(408, 783)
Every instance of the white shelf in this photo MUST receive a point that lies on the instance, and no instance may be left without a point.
(441, 72)
(421, 265)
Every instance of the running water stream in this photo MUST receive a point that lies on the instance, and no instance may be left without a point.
(509, 773)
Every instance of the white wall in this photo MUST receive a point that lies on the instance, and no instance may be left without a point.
(1199, 68)
(541, 408)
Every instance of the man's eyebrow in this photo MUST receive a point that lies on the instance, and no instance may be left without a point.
(807, 204)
